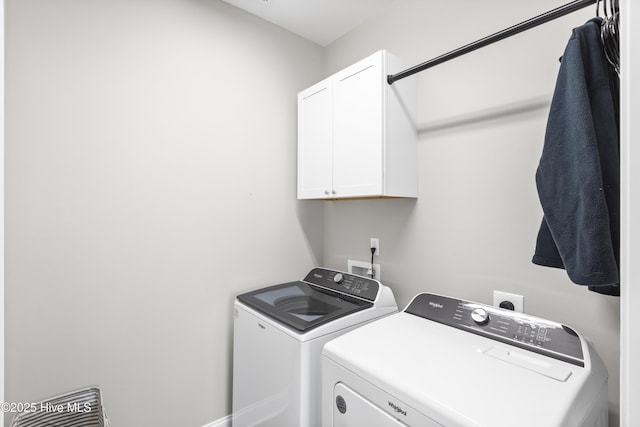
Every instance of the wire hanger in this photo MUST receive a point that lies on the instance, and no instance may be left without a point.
(610, 35)
(609, 31)
(609, 8)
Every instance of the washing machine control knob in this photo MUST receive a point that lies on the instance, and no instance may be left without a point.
(338, 278)
(480, 316)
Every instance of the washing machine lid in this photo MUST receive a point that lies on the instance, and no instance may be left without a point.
(301, 305)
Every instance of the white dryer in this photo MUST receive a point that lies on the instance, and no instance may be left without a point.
(445, 362)
(279, 332)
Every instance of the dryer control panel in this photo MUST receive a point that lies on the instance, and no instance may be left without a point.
(518, 329)
(350, 284)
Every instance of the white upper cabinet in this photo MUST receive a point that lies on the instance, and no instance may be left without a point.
(356, 133)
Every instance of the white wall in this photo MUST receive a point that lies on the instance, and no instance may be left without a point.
(150, 177)
(630, 238)
(2, 208)
(482, 120)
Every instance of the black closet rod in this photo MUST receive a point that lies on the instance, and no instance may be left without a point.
(500, 35)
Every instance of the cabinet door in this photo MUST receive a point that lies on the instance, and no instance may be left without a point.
(358, 129)
(315, 141)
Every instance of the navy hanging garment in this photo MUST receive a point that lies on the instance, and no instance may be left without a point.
(578, 177)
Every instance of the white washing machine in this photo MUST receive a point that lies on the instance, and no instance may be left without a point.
(279, 332)
(444, 362)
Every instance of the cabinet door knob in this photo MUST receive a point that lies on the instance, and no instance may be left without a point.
(326, 192)
(333, 191)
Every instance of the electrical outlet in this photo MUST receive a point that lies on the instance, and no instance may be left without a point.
(374, 242)
(506, 297)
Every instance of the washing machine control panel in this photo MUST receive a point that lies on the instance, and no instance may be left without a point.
(518, 329)
(349, 284)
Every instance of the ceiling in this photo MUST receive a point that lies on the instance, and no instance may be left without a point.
(321, 21)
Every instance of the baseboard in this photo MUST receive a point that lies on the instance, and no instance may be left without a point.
(222, 422)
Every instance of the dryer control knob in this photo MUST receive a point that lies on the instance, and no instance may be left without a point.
(338, 278)
(480, 316)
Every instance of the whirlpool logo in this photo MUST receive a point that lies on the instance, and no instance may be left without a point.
(435, 304)
(397, 409)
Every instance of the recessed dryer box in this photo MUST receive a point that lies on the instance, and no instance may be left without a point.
(363, 268)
